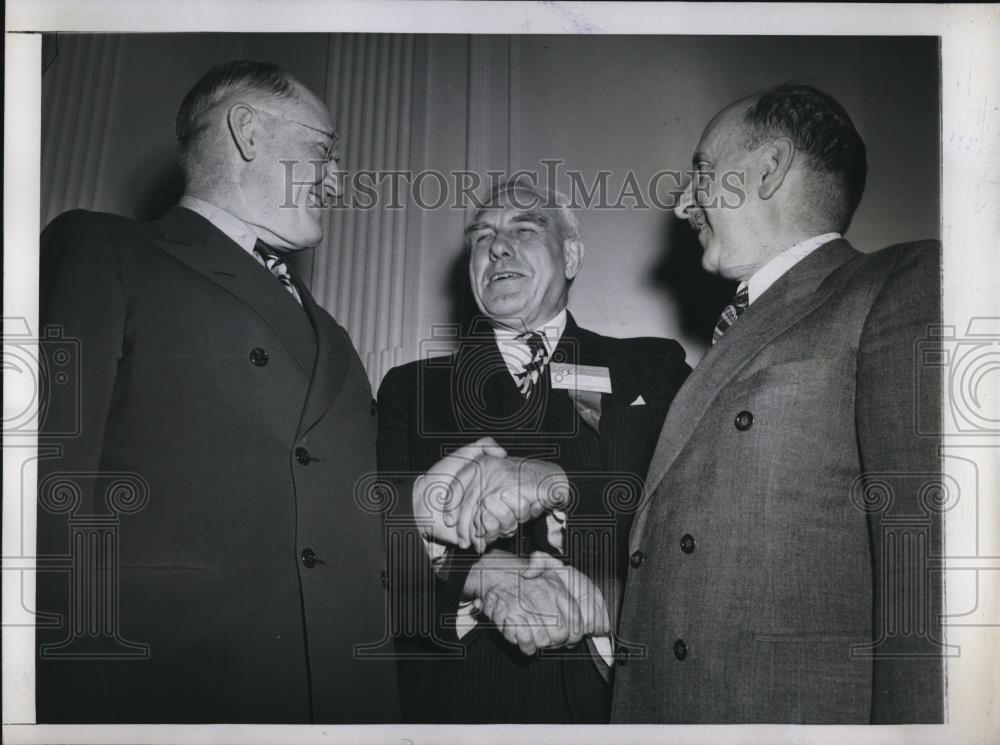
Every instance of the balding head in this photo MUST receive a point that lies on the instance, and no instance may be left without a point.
(771, 170)
(260, 145)
(824, 136)
(195, 129)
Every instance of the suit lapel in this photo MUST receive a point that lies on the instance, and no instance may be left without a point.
(788, 300)
(484, 397)
(334, 351)
(478, 393)
(576, 347)
(559, 417)
(195, 242)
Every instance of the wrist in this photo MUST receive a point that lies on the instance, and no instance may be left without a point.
(552, 484)
(494, 569)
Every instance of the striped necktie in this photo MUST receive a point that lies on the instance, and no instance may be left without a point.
(276, 265)
(732, 311)
(527, 379)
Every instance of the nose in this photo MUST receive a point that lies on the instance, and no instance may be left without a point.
(684, 201)
(501, 247)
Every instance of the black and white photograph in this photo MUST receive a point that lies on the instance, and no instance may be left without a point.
(394, 367)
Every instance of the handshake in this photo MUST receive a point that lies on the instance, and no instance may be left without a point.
(478, 494)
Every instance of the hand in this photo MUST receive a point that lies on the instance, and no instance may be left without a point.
(544, 605)
(438, 494)
(504, 493)
(589, 600)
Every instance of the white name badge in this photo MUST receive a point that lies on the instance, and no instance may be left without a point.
(580, 377)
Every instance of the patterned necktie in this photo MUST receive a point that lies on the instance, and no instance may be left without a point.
(527, 379)
(732, 311)
(276, 265)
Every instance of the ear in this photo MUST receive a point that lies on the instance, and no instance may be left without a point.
(242, 122)
(573, 251)
(778, 158)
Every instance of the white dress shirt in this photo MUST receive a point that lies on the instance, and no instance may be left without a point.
(773, 270)
(232, 226)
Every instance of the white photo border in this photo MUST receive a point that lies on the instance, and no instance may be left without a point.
(970, 131)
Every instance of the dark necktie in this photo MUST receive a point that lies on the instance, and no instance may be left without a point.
(276, 265)
(731, 312)
(527, 379)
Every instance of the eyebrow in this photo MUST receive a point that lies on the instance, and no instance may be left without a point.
(475, 225)
(320, 130)
(537, 218)
(533, 217)
(698, 157)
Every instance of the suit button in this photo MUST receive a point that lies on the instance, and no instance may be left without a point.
(744, 421)
(302, 456)
(373, 407)
(385, 579)
(680, 649)
(259, 356)
(636, 559)
(621, 657)
(687, 543)
(308, 558)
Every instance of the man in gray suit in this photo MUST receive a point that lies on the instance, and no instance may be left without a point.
(779, 564)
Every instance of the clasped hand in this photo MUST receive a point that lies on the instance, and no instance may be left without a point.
(543, 605)
(477, 494)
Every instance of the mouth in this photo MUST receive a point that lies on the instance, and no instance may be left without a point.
(314, 199)
(697, 222)
(503, 277)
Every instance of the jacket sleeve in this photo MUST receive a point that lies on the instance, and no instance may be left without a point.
(425, 598)
(83, 319)
(598, 538)
(903, 466)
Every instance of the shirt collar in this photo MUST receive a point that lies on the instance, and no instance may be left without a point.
(773, 270)
(515, 351)
(232, 226)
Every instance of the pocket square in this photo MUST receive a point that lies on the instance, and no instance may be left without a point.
(639, 401)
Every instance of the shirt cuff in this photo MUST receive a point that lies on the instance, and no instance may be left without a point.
(604, 648)
(555, 522)
(465, 619)
(436, 552)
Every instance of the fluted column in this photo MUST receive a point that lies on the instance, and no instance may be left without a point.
(78, 96)
(358, 271)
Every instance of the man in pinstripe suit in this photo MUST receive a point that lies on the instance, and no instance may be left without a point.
(487, 614)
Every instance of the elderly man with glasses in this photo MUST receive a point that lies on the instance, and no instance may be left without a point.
(239, 413)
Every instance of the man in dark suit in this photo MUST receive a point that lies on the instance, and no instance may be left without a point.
(502, 582)
(779, 566)
(222, 571)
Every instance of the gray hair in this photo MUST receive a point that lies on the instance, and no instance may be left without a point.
(239, 77)
(523, 193)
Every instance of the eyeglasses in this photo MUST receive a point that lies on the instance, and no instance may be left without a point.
(334, 150)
